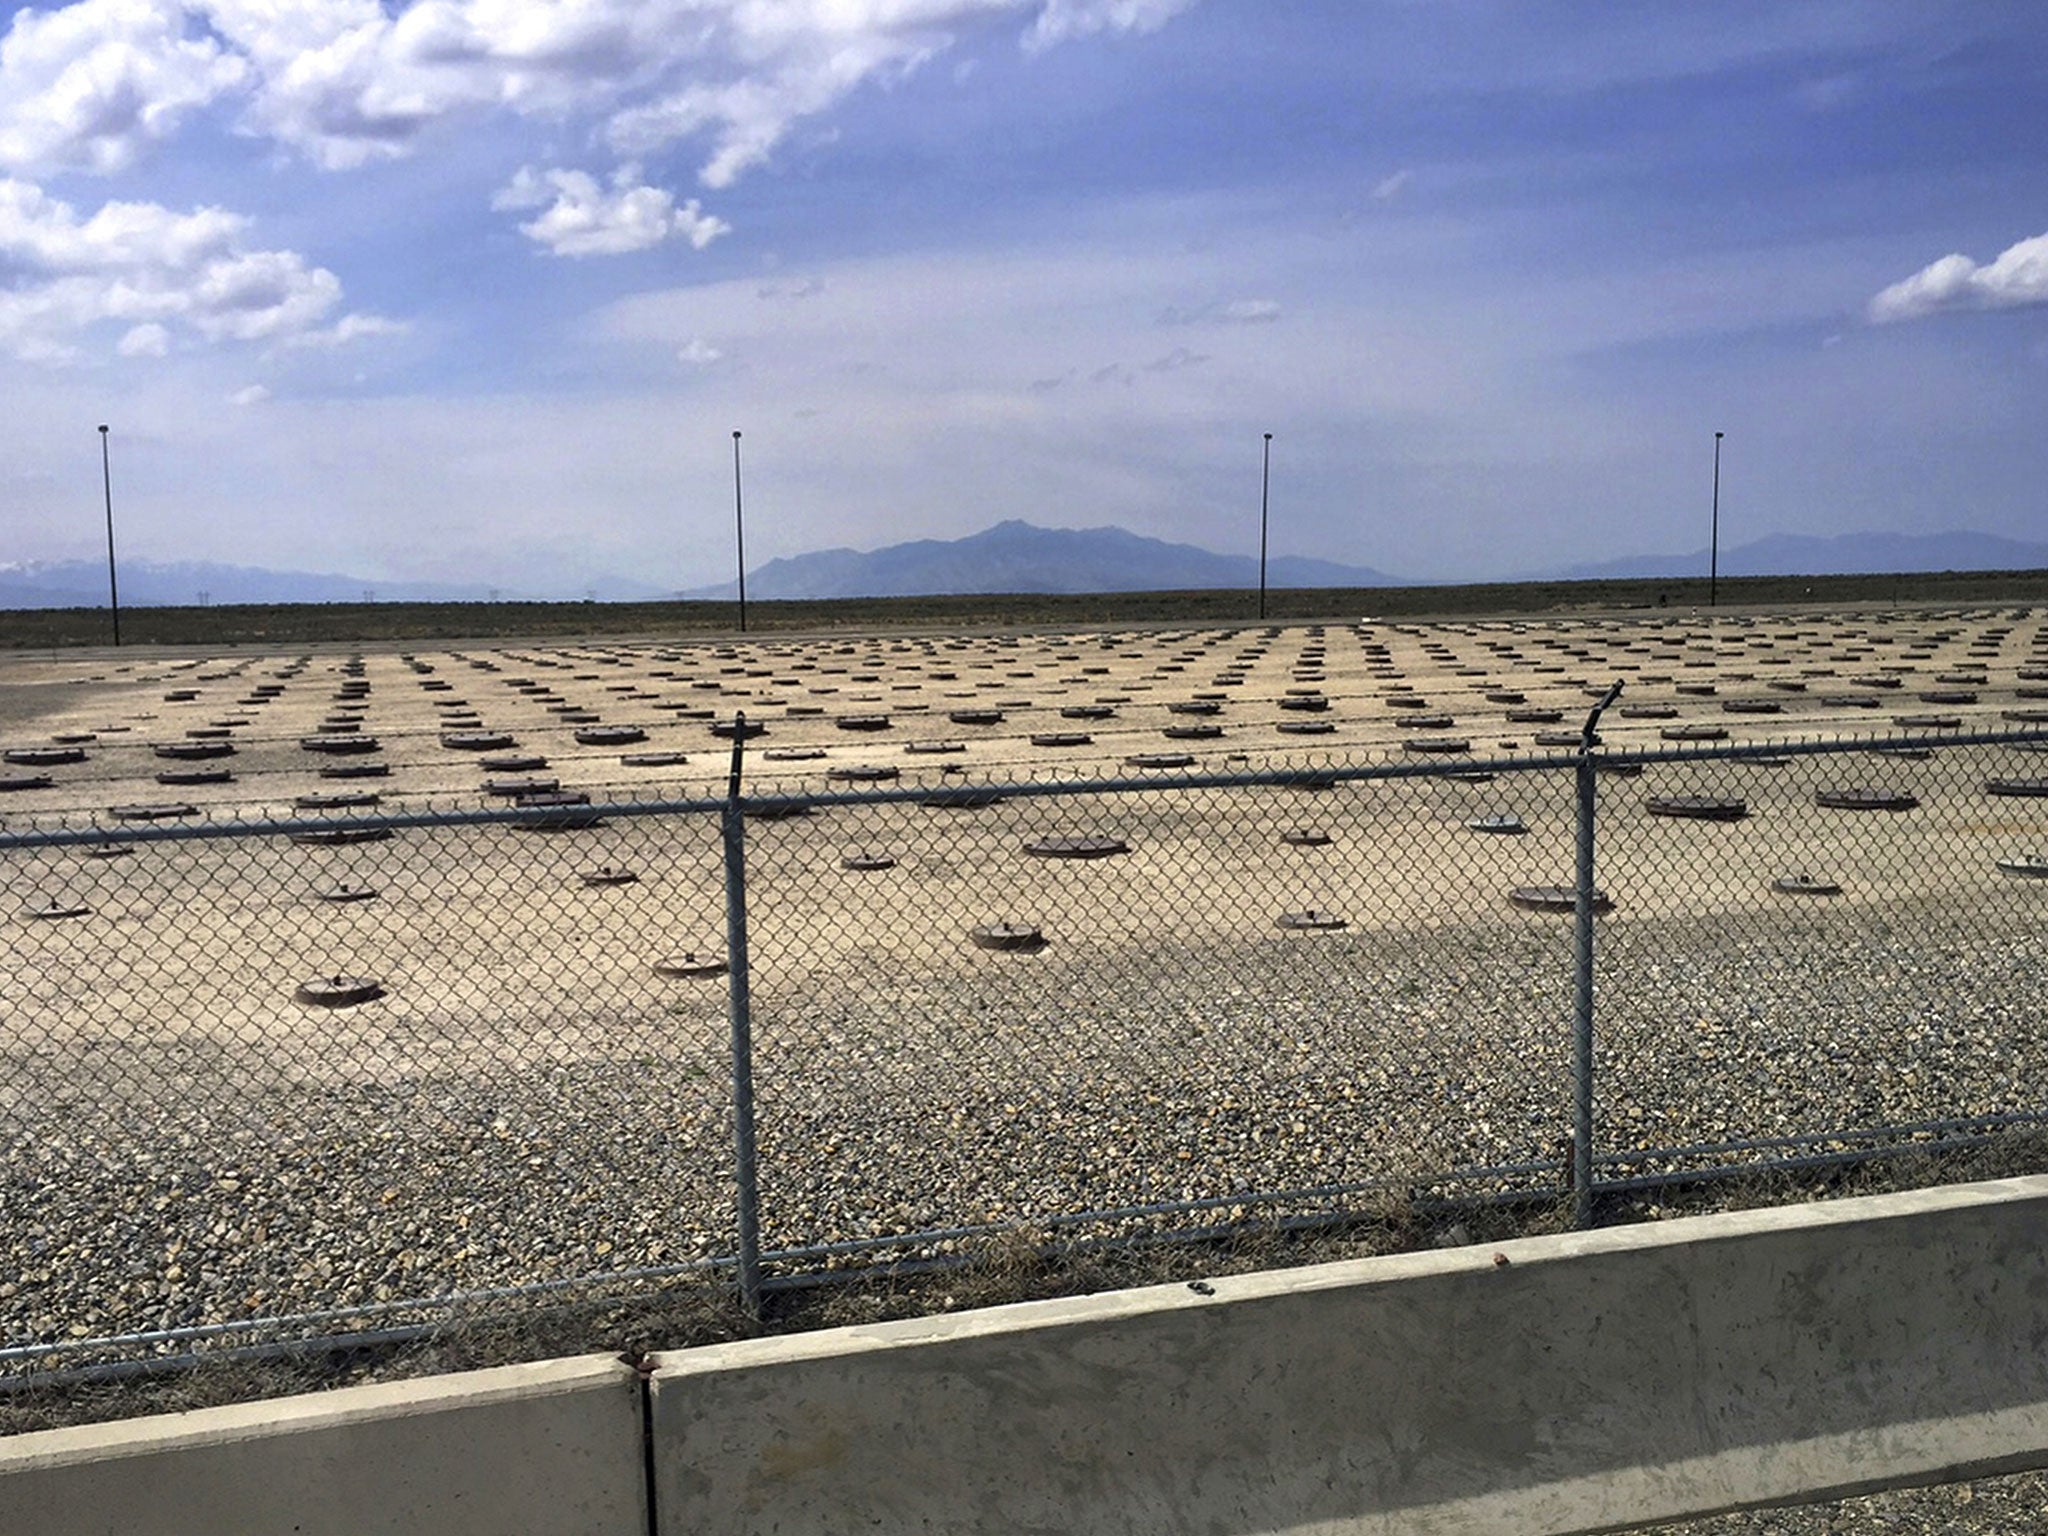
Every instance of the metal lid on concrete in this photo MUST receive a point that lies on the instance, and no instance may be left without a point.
(1306, 837)
(1556, 898)
(1863, 799)
(335, 837)
(1805, 885)
(1310, 920)
(1076, 846)
(2017, 788)
(1500, 824)
(338, 991)
(53, 911)
(1698, 807)
(1023, 937)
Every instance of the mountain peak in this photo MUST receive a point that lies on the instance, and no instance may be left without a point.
(1018, 556)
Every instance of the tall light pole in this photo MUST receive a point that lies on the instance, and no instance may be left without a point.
(107, 484)
(739, 528)
(1265, 487)
(1714, 536)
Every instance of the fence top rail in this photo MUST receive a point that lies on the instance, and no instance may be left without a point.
(965, 791)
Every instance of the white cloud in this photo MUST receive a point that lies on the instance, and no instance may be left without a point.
(146, 267)
(1223, 312)
(773, 65)
(2017, 277)
(39, 231)
(1062, 19)
(796, 73)
(97, 85)
(580, 218)
(333, 78)
(347, 329)
(699, 352)
(90, 86)
(1830, 93)
(348, 82)
(1390, 187)
(150, 340)
(254, 394)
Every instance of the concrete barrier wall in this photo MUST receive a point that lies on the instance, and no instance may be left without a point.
(1562, 1384)
(1555, 1384)
(555, 1448)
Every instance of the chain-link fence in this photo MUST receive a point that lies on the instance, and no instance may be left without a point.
(353, 1070)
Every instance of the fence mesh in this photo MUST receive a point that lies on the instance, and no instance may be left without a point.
(1817, 946)
(974, 1008)
(195, 1138)
(303, 1061)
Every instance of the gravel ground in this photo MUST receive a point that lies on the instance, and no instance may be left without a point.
(1007, 1091)
(2001, 1506)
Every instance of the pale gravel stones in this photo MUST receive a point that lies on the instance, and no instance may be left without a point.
(892, 1103)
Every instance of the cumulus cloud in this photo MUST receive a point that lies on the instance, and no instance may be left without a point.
(347, 82)
(2018, 276)
(1062, 19)
(146, 268)
(699, 352)
(96, 86)
(253, 394)
(348, 328)
(150, 340)
(90, 86)
(580, 217)
(749, 113)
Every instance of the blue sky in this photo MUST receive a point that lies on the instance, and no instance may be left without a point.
(478, 289)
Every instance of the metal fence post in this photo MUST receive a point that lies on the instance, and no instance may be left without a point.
(1582, 1023)
(746, 1185)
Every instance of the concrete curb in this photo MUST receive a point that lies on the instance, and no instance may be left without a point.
(1585, 1382)
(1573, 1383)
(553, 1447)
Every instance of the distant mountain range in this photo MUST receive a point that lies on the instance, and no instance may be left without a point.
(147, 584)
(1017, 556)
(1849, 554)
(1012, 556)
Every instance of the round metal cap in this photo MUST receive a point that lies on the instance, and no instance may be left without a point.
(338, 991)
(1007, 936)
